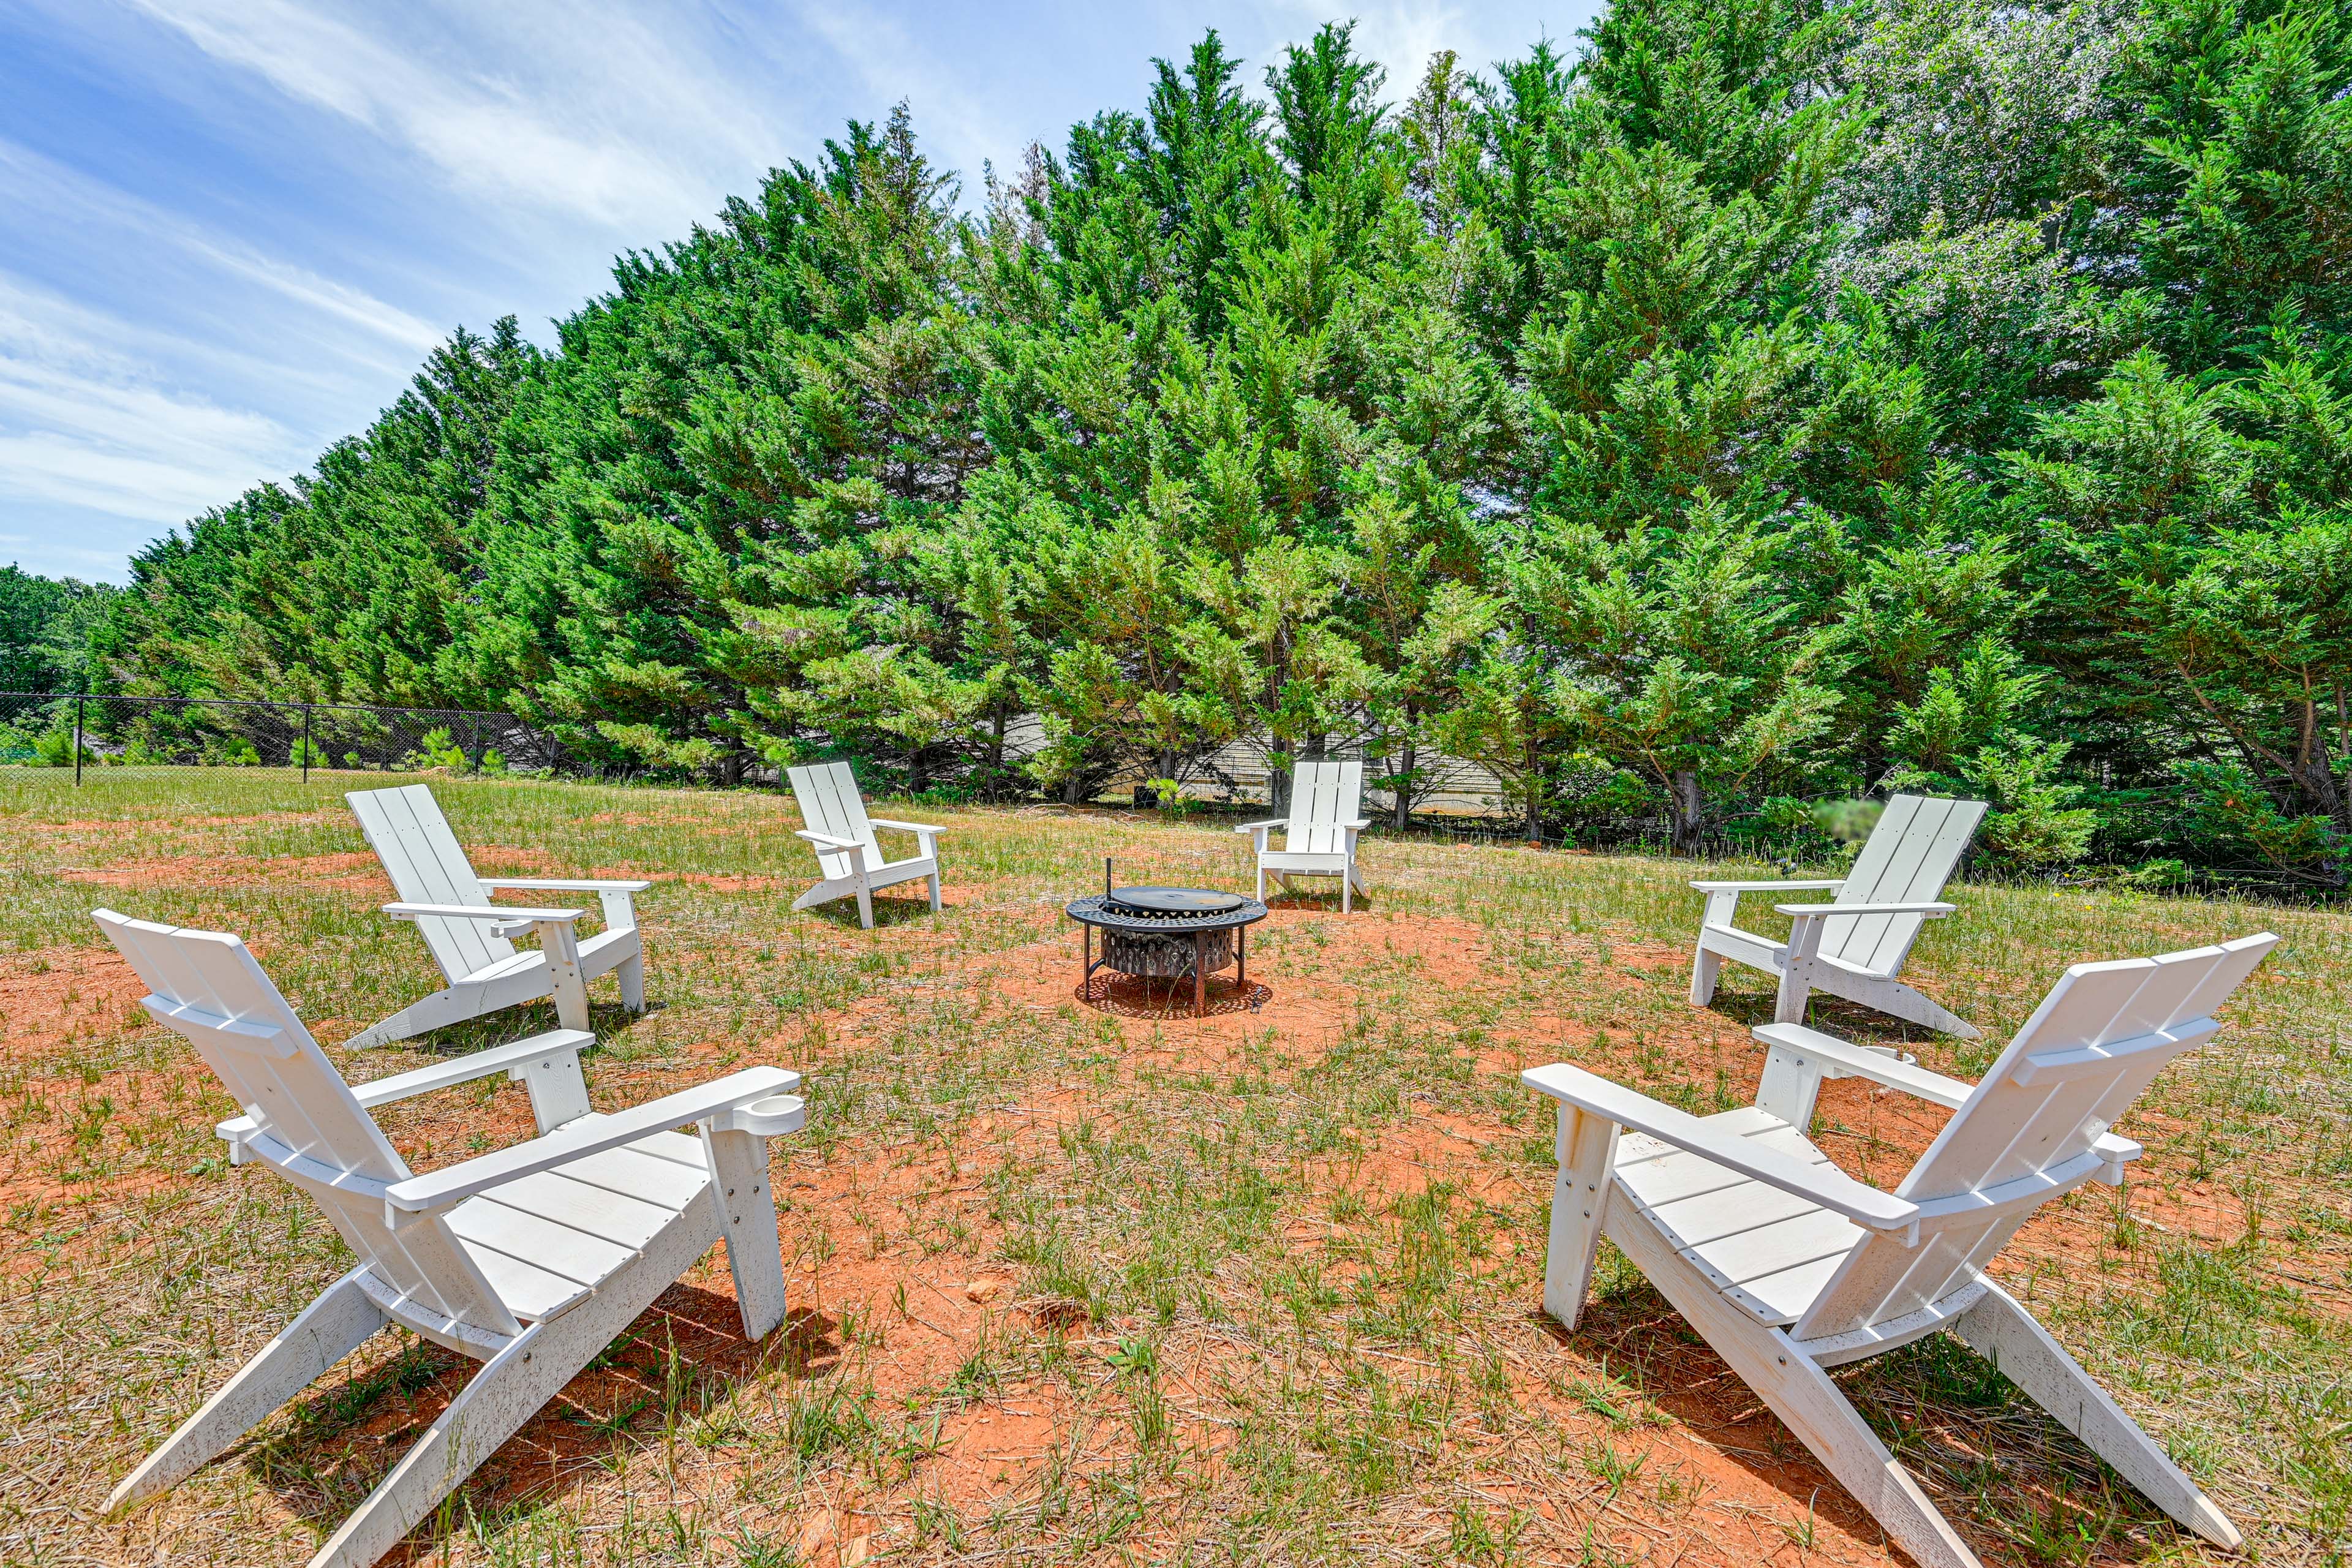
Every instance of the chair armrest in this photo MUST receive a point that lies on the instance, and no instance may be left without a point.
(826, 840)
(1359, 825)
(481, 912)
(441, 1189)
(465, 1069)
(1261, 826)
(1815, 886)
(905, 826)
(1931, 909)
(1839, 1059)
(2118, 1152)
(568, 885)
(508, 1059)
(1824, 1185)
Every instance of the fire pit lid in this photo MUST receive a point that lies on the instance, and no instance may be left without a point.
(1177, 901)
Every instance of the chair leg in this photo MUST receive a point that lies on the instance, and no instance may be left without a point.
(865, 905)
(1346, 890)
(934, 880)
(1802, 1395)
(1892, 997)
(561, 944)
(1261, 884)
(632, 975)
(437, 1011)
(1705, 968)
(506, 1392)
(1789, 1006)
(1911, 1006)
(329, 1329)
(747, 1217)
(1997, 1329)
(1584, 1145)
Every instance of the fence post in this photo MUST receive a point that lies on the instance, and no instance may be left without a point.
(80, 699)
(478, 745)
(306, 742)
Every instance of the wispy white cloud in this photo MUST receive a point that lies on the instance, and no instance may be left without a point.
(31, 184)
(589, 110)
(339, 301)
(86, 422)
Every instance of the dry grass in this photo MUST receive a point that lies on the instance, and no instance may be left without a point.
(1070, 1287)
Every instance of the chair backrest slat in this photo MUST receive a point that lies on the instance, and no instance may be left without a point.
(427, 866)
(830, 803)
(1323, 794)
(1907, 859)
(206, 986)
(2093, 1047)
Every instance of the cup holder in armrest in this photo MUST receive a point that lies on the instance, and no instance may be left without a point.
(771, 1117)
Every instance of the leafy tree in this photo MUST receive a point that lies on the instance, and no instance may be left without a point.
(1686, 662)
(46, 624)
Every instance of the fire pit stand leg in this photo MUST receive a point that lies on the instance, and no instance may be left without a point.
(1200, 973)
(1241, 959)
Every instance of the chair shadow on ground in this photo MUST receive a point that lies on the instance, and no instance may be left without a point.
(674, 1366)
(888, 910)
(2009, 1477)
(1750, 1008)
(1313, 898)
(455, 1040)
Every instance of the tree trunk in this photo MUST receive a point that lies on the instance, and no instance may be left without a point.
(1404, 789)
(1074, 788)
(996, 749)
(1688, 807)
(1531, 772)
(1277, 777)
(918, 776)
(2313, 772)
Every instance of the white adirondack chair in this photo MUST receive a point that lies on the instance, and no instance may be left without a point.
(530, 1259)
(467, 934)
(1789, 1267)
(1854, 945)
(847, 854)
(1318, 837)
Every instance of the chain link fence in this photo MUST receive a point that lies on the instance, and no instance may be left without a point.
(61, 729)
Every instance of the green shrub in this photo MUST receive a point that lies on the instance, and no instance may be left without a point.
(2034, 825)
(55, 748)
(438, 751)
(1168, 795)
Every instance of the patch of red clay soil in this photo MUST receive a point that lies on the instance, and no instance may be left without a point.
(1658, 958)
(54, 994)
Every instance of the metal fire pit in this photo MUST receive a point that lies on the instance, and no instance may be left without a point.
(1167, 933)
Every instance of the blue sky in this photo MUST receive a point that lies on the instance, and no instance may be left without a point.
(229, 230)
